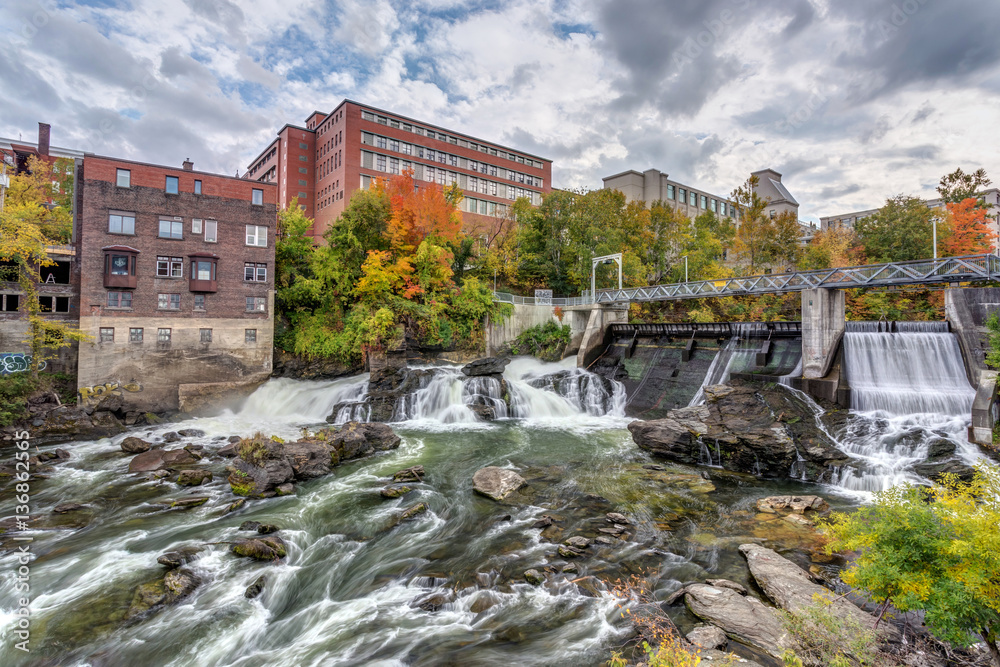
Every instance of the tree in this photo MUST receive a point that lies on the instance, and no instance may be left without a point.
(672, 233)
(899, 231)
(832, 247)
(958, 186)
(29, 223)
(968, 230)
(761, 240)
(932, 549)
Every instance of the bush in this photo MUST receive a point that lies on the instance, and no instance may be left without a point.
(826, 638)
(546, 341)
(253, 450)
(14, 392)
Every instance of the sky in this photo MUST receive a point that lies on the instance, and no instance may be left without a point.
(853, 101)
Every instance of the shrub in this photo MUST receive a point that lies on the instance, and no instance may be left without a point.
(827, 638)
(546, 341)
(253, 450)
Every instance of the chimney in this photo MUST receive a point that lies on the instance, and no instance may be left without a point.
(188, 164)
(43, 138)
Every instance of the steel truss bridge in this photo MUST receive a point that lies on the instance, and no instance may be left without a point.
(971, 268)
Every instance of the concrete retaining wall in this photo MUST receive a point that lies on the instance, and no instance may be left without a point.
(524, 317)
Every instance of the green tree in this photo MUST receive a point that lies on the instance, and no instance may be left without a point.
(958, 185)
(932, 549)
(901, 230)
(761, 240)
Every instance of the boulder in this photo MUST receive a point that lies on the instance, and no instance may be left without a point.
(286, 489)
(534, 577)
(616, 517)
(270, 548)
(486, 366)
(68, 507)
(182, 556)
(171, 436)
(934, 470)
(309, 458)
(250, 525)
(361, 439)
(725, 583)
(173, 586)
(796, 504)
(415, 510)
(496, 483)
(256, 588)
(228, 451)
(160, 459)
(745, 619)
(267, 528)
(194, 477)
(133, 445)
(708, 636)
(188, 502)
(666, 438)
(412, 474)
(239, 503)
(191, 433)
(260, 467)
(395, 491)
(578, 542)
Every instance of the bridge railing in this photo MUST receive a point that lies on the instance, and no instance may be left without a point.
(708, 329)
(507, 297)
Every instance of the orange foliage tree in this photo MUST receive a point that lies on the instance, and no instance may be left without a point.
(968, 230)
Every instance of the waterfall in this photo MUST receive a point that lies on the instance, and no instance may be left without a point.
(736, 354)
(284, 399)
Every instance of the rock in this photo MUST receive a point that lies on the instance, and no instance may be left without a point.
(309, 458)
(433, 601)
(534, 577)
(105, 423)
(708, 636)
(234, 439)
(544, 522)
(260, 467)
(725, 583)
(286, 489)
(174, 559)
(578, 542)
(413, 511)
(604, 539)
(395, 491)
(189, 501)
(270, 548)
(68, 507)
(250, 525)
(194, 477)
(179, 583)
(744, 619)
(160, 459)
(356, 439)
(240, 502)
(569, 552)
(414, 474)
(791, 588)
(62, 454)
(487, 366)
(666, 438)
(797, 504)
(191, 433)
(940, 448)
(496, 483)
(228, 451)
(171, 436)
(267, 528)
(133, 445)
(935, 469)
(175, 585)
(256, 588)
(615, 517)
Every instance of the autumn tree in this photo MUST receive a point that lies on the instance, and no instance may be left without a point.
(760, 239)
(959, 186)
(29, 223)
(968, 230)
(899, 231)
(832, 247)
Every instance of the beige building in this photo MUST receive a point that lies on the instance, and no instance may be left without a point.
(848, 220)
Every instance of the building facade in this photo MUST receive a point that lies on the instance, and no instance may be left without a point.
(848, 220)
(176, 282)
(653, 185)
(337, 153)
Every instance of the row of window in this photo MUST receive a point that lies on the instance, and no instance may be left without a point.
(10, 303)
(163, 335)
(483, 207)
(123, 299)
(441, 136)
(171, 185)
(173, 267)
(120, 222)
(415, 150)
(692, 198)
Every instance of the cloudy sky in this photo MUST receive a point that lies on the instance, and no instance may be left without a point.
(852, 100)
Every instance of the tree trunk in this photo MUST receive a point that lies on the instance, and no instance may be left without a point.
(991, 644)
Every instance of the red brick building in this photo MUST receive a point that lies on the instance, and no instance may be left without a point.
(176, 282)
(337, 153)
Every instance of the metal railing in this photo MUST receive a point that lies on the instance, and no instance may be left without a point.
(708, 329)
(507, 297)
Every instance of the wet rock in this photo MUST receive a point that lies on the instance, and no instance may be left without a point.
(256, 588)
(189, 501)
(940, 448)
(534, 577)
(544, 522)
(228, 451)
(433, 601)
(175, 585)
(133, 445)
(270, 548)
(194, 477)
(486, 366)
(577, 542)
(234, 439)
(267, 528)
(484, 600)
(934, 470)
(191, 433)
(260, 467)
(179, 583)
(615, 517)
(413, 511)
(357, 439)
(62, 454)
(68, 507)
(238, 504)
(413, 474)
(604, 539)
(309, 458)
(570, 568)
(174, 559)
(797, 504)
(569, 552)
(160, 459)
(286, 489)
(395, 491)
(725, 583)
(496, 483)
(171, 436)
(250, 525)
(708, 636)
(745, 619)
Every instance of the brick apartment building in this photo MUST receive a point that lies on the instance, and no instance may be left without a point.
(176, 282)
(337, 153)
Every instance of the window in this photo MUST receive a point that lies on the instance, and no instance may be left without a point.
(107, 335)
(303, 170)
(257, 197)
(135, 334)
(302, 196)
(169, 267)
(257, 235)
(196, 225)
(202, 269)
(124, 178)
(394, 145)
(256, 304)
(199, 302)
(197, 189)
(722, 208)
(670, 192)
(211, 231)
(206, 335)
(393, 165)
(121, 223)
(10, 302)
(255, 272)
(119, 265)
(693, 201)
(119, 299)
(772, 214)
(171, 229)
(171, 185)
(704, 201)
(715, 206)
(163, 335)
(303, 146)
(169, 302)
(380, 162)
(250, 335)
(302, 158)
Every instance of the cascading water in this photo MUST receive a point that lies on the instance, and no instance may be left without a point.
(909, 388)
(737, 354)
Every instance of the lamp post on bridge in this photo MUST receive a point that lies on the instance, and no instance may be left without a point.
(605, 259)
(685, 258)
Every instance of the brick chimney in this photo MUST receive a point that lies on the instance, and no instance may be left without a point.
(188, 164)
(44, 130)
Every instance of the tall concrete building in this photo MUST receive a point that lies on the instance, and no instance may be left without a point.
(848, 220)
(339, 152)
(653, 185)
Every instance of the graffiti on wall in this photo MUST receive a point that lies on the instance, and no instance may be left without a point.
(16, 362)
(115, 388)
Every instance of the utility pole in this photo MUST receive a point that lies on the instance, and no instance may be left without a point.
(685, 258)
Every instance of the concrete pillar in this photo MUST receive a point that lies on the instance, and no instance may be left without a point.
(593, 338)
(823, 326)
